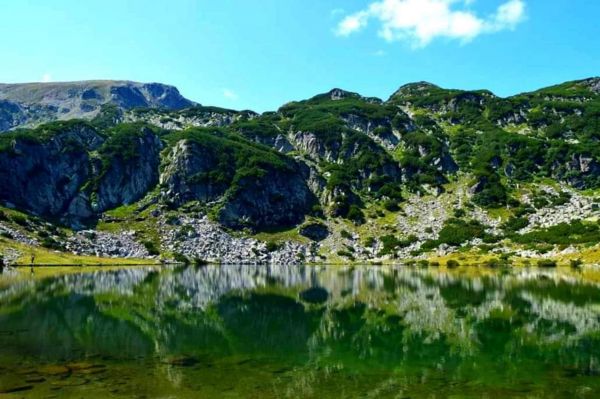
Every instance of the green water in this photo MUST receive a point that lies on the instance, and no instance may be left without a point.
(300, 332)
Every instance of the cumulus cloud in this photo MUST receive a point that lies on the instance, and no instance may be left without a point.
(46, 78)
(421, 21)
(230, 94)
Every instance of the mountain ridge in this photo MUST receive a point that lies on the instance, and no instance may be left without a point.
(29, 104)
(335, 168)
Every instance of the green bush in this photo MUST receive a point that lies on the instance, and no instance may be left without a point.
(180, 258)
(370, 242)
(576, 232)
(391, 205)
(273, 246)
(355, 214)
(391, 243)
(451, 264)
(151, 247)
(345, 254)
(458, 213)
(456, 232)
(576, 263)
(20, 220)
(346, 234)
(51, 243)
(546, 263)
(493, 263)
(515, 224)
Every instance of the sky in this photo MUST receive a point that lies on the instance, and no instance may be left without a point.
(260, 54)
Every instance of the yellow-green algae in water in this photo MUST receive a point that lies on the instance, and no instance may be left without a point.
(308, 332)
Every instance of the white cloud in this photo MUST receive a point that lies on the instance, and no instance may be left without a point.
(509, 15)
(352, 23)
(46, 78)
(421, 21)
(230, 94)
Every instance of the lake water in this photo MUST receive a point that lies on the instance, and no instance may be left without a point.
(301, 332)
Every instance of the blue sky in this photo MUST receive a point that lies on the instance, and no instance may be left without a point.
(259, 54)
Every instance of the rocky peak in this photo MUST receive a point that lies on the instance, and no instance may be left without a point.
(413, 89)
(339, 94)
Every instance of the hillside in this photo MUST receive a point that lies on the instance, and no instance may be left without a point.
(427, 173)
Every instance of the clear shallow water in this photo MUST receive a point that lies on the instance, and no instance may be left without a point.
(301, 332)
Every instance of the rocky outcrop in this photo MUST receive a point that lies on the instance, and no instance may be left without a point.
(277, 198)
(316, 148)
(126, 180)
(185, 177)
(267, 197)
(44, 177)
(58, 177)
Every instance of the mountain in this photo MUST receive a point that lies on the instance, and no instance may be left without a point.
(337, 177)
(28, 104)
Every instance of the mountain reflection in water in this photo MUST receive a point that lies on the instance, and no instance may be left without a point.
(289, 331)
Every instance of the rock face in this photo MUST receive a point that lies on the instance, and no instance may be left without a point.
(58, 177)
(272, 196)
(278, 198)
(35, 103)
(128, 179)
(45, 177)
(182, 177)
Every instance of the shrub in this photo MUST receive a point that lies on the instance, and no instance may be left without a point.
(456, 232)
(355, 214)
(546, 263)
(345, 254)
(346, 234)
(515, 223)
(458, 213)
(20, 220)
(181, 258)
(273, 246)
(151, 247)
(492, 193)
(391, 205)
(200, 262)
(540, 202)
(451, 264)
(370, 242)
(576, 263)
(51, 243)
(575, 232)
(493, 263)
(391, 243)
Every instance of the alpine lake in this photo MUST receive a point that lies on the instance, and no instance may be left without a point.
(240, 331)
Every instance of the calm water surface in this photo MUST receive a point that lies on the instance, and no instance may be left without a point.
(300, 332)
